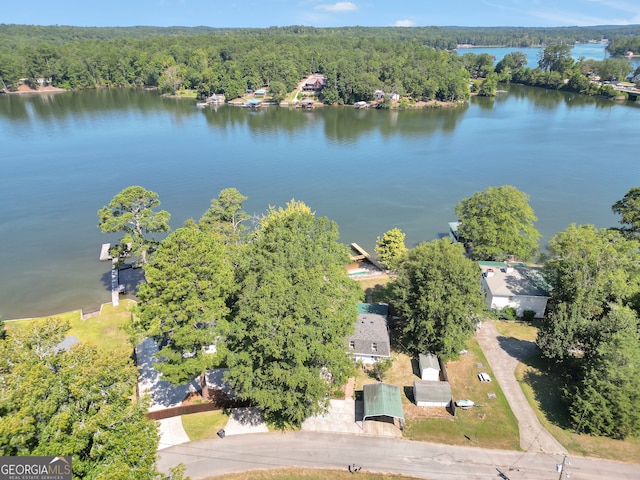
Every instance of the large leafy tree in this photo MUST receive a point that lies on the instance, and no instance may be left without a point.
(629, 209)
(559, 333)
(437, 295)
(286, 341)
(606, 399)
(131, 212)
(555, 58)
(390, 247)
(225, 217)
(499, 222)
(188, 283)
(74, 402)
(591, 268)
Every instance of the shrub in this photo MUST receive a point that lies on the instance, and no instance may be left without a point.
(528, 315)
(507, 313)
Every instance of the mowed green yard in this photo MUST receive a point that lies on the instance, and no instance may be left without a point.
(105, 330)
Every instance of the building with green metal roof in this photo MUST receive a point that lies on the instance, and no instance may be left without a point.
(382, 400)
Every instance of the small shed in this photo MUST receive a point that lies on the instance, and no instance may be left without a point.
(432, 394)
(383, 400)
(429, 367)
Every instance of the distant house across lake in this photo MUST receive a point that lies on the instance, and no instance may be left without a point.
(314, 83)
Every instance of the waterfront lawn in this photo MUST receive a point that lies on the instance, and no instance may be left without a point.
(377, 288)
(204, 425)
(104, 330)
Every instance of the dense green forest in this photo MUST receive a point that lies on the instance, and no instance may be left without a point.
(415, 62)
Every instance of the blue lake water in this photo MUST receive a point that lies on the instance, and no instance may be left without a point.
(64, 156)
(590, 51)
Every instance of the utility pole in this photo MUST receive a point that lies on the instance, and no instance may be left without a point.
(560, 468)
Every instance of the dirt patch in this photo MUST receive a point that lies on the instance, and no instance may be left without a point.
(22, 89)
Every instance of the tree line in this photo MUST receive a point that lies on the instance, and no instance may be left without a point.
(555, 69)
(414, 62)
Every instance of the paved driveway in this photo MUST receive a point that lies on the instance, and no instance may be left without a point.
(503, 354)
(345, 416)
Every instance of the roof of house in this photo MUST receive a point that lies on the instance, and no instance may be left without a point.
(382, 399)
(371, 327)
(519, 281)
(428, 361)
(431, 391)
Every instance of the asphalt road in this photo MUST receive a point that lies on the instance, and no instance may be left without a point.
(208, 458)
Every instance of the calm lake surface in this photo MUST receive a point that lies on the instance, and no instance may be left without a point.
(64, 156)
(590, 51)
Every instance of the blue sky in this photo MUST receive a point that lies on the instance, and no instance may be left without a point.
(322, 13)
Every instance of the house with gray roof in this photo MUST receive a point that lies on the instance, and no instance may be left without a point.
(514, 285)
(370, 342)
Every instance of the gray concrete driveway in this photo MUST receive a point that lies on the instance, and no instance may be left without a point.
(503, 354)
(208, 458)
(345, 416)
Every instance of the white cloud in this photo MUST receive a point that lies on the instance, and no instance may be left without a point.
(338, 7)
(404, 23)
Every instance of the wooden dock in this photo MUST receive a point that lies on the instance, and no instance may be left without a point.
(364, 255)
(115, 287)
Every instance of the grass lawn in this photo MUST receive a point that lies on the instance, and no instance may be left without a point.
(519, 330)
(306, 474)
(491, 425)
(200, 426)
(103, 331)
(376, 287)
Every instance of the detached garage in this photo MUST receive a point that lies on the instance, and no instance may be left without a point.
(432, 394)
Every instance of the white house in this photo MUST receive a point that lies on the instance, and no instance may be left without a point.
(429, 367)
(370, 342)
(516, 286)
